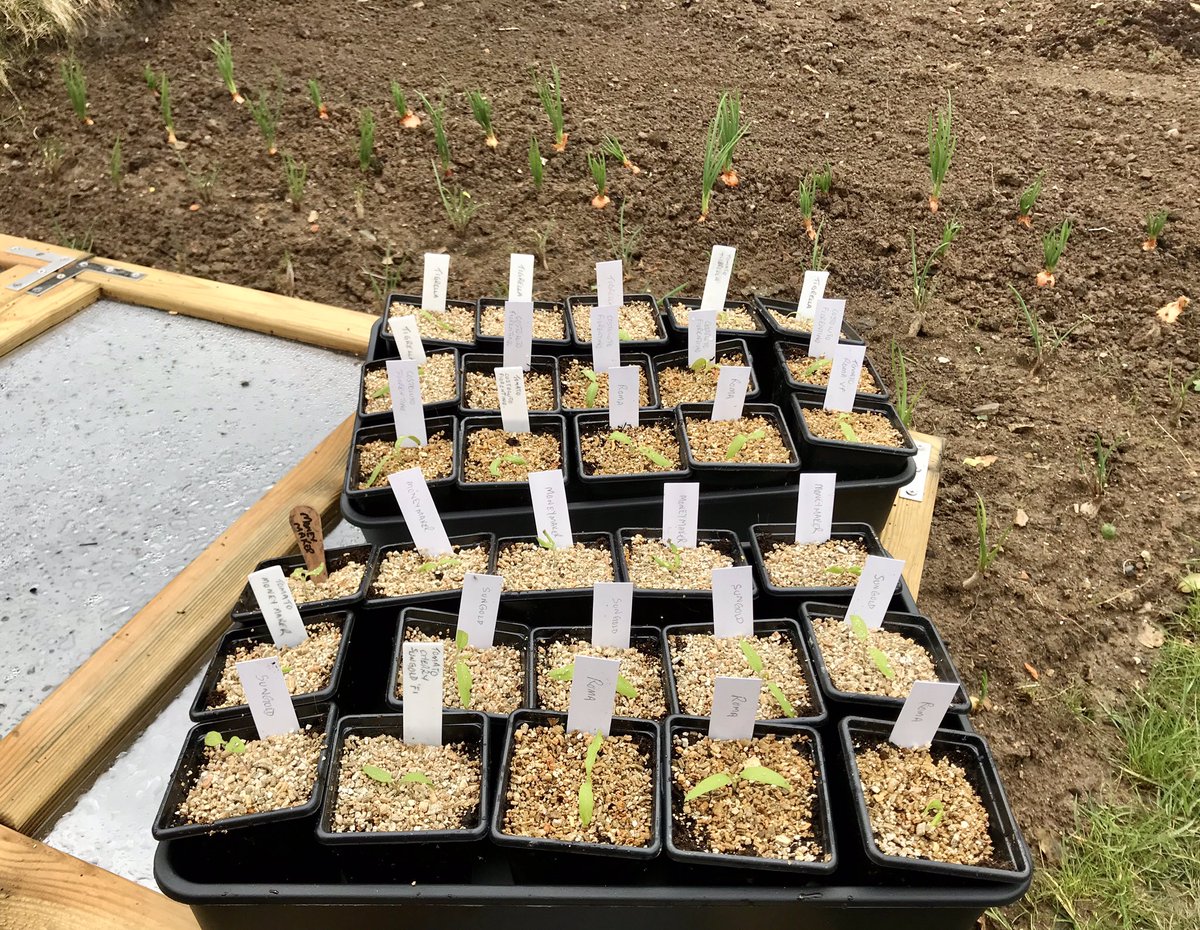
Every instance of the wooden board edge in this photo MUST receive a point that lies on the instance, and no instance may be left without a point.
(23, 317)
(906, 535)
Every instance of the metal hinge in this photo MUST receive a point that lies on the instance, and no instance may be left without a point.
(59, 268)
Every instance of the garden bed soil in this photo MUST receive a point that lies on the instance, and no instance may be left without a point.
(497, 674)
(697, 659)
(435, 459)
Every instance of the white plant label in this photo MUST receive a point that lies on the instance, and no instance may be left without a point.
(922, 713)
(734, 707)
(827, 328)
(514, 406)
(812, 290)
(716, 285)
(478, 608)
(268, 697)
(593, 691)
(408, 413)
(422, 668)
(610, 284)
(623, 396)
(732, 382)
(420, 513)
(873, 593)
(681, 513)
(550, 513)
(518, 333)
(520, 277)
(408, 338)
(278, 608)
(433, 285)
(606, 337)
(733, 601)
(814, 507)
(843, 377)
(702, 336)
(915, 489)
(612, 613)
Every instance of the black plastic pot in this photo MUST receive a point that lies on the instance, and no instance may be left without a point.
(510, 493)
(647, 735)
(553, 346)
(1011, 857)
(589, 300)
(915, 627)
(848, 335)
(378, 419)
(723, 540)
(443, 625)
(679, 359)
(525, 602)
(383, 602)
(403, 304)
(646, 639)
(756, 335)
(738, 474)
(625, 486)
(379, 501)
(641, 359)
(458, 726)
(236, 723)
(765, 536)
(682, 848)
(246, 611)
(487, 364)
(786, 383)
(850, 459)
(817, 713)
(201, 712)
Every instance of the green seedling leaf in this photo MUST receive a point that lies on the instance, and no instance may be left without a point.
(813, 368)
(781, 699)
(859, 626)
(546, 541)
(758, 434)
(587, 802)
(705, 785)
(617, 436)
(589, 374)
(213, 739)
(464, 680)
(286, 670)
(847, 430)
(739, 443)
(419, 777)
(625, 688)
(563, 672)
(701, 365)
(305, 574)
(662, 563)
(753, 659)
(380, 775)
(881, 663)
(623, 336)
(437, 565)
(461, 640)
(236, 745)
(844, 570)
(589, 396)
(660, 460)
(936, 805)
(494, 466)
(765, 776)
(384, 391)
(515, 459)
(432, 318)
(593, 752)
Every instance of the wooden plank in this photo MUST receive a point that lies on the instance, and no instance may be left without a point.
(54, 752)
(8, 260)
(23, 316)
(906, 535)
(44, 889)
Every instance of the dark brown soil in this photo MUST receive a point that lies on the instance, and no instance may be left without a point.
(1104, 100)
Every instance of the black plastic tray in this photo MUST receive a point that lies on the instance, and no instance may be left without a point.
(246, 611)
(431, 409)
(718, 539)
(785, 533)
(608, 487)
(380, 501)
(520, 602)
(509, 493)
(553, 346)
(388, 341)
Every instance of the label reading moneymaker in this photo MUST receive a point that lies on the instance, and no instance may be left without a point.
(814, 507)
(278, 608)
(551, 516)
(420, 513)
(681, 513)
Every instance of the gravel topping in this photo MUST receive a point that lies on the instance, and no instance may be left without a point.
(639, 666)
(574, 384)
(408, 571)
(435, 459)
(732, 317)
(709, 440)
(342, 583)
(547, 323)
(870, 427)
(851, 667)
(306, 667)
(651, 565)
(680, 385)
(438, 378)
(799, 324)
(497, 674)
(806, 565)
(604, 455)
(526, 566)
(809, 370)
(485, 447)
(481, 393)
(697, 659)
(637, 319)
(454, 324)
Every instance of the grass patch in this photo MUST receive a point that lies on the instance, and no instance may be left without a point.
(27, 23)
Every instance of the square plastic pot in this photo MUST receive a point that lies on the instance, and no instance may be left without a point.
(513, 493)
(723, 540)
(405, 305)
(487, 364)
(1011, 856)
(738, 474)
(848, 335)
(200, 711)
(379, 501)
(850, 459)
(634, 345)
(756, 335)
(523, 603)
(648, 737)
(246, 611)
(765, 536)
(552, 346)
(646, 639)
(915, 627)
(382, 602)
(625, 486)
(682, 849)
(786, 383)
(458, 726)
(167, 824)
(379, 419)
(641, 359)
(817, 713)
(679, 359)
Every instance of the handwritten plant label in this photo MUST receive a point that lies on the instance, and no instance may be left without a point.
(612, 613)
(606, 337)
(702, 336)
(812, 290)
(278, 607)
(593, 691)
(827, 328)
(550, 513)
(843, 377)
(408, 412)
(734, 707)
(623, 396)
(408, 338)
(732, 382)
(514, 406)
(681, 513)
(922, 713)
(306, 526)
(915, 489)
(814, 507)
(716, 285)
(520, 277)
(478, 608)
(420, 513)
(873, 593)
(733, 601)
(422, 668)
(610, 284)
(433, 286)
(267, 695)
(518, 333)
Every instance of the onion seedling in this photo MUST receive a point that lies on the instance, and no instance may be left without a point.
(511, 459)
(266, 114)
(235, 744)
(1155, 223)
(437, 118)
(817, 260)
(314, 94)
(222, 50)
(612, 146)
(1045, 337)
(152, 80)
(905, 405)
(463, 679)
(116, 164)
(537, 164)
(805, 193)
(754, 660)
(366, 139)
(740, 442)
(408, 119)
(1026, 201)
(729, 122)
(1097, 468)
(599, 168)
(1054, 244)
(942, 143)
(459, 206)
(550, 94)
(164, 106)
(625, 244)
(586, 798)
(1178, 392)
(644, 451)
(542, 238)
(755, 773)
(76, 84)
(625, 687)
(823, 179)
(988, 553)
(481, 109)
(383, 776)
(923, 284)
(716, 153)
(676, 562)
(296, 175)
